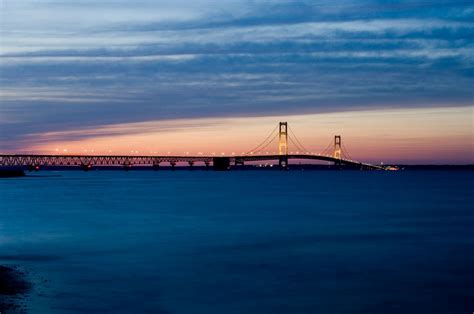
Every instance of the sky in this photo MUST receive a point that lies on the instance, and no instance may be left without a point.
(394, 78)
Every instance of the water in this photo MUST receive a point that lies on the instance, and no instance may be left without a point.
(242, 242)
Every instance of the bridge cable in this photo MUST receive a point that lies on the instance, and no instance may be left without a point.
(296, 145)
(327, 150)
(299, 148)
(262, 148)
(263, 143)
(346, 152)
(296, 138)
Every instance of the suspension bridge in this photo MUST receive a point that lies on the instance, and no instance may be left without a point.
(335, 153)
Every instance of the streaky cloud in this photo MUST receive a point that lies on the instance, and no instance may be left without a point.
(160, 60)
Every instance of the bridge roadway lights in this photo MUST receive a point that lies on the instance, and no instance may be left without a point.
(221, 163)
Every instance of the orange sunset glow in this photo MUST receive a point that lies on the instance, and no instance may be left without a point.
(399, 135)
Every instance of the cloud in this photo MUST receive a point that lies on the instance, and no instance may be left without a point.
(90, 64)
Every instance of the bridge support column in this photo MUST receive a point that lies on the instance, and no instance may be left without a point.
(33, 168)
(283, 162)
(221, 163)
(86, 167)
(207, 163)
(191, 164)
(238, 162)
(283, 145)
(156, 166)
(173, 165)
(337, 151)
(283, 139)
(127, 165)
(337, 146)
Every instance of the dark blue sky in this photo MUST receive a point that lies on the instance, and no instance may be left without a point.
(68, 65)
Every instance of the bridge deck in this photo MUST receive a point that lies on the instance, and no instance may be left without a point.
(124, 160)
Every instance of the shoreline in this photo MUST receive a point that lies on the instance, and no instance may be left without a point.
(13, 289)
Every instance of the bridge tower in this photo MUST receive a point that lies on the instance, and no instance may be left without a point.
(283, 139)
(283, 145)
(337, 148)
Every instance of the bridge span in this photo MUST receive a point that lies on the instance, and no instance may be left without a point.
(87, 162)
(335, 153)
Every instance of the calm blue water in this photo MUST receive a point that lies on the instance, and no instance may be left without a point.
(242, 242)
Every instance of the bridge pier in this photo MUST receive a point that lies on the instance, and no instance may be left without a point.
(283, 162)
(173, 165)
(207, 163)
(156, 166)
(221, 163)
(238, 162)
(337, 164)
(191, 164)
(86, 167)
(33, 168)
